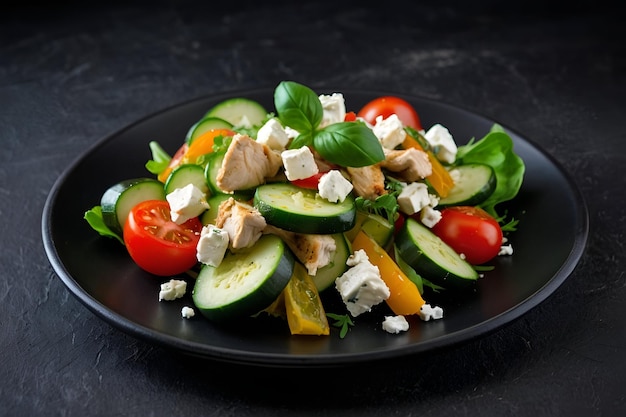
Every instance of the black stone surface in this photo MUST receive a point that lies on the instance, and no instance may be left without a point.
(75, 72)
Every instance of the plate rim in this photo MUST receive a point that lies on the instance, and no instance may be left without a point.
(221, 354)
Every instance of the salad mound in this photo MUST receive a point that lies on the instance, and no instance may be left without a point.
(266, 211)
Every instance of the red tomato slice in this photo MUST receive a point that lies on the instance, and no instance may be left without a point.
(156, 243)
(470, 231)
(311, 182)
(388, 105)
(350, 116)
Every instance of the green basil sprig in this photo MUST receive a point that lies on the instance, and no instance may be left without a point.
(349, 144)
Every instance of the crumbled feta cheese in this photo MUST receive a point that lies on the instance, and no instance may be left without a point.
(334, 107)
(186, 202)
(299, 163)
(273, 135)
(172, 290)
(427, 312)
(334, 187)
(429, 216)
(395, 324)
(413, 198)
(442, 143)
(291, 133)
(506, 250)
(212, 245)
(243, 122)
(361, 286)
(390, 131)
(187, 312)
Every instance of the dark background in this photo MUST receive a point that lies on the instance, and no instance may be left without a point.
(76, 72)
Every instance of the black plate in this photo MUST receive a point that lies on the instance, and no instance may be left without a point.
(547, 245)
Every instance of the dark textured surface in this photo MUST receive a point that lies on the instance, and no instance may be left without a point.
(73, 74)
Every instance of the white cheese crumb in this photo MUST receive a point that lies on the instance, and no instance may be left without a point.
(395, 324)
(186, 202)
(273, 135)
(505, 250)
(299, 163)
(187, 312)
(389, 131)
(334, 187)
(427, 312)
(361, 286)
(334, 107)
(413, 198)
(212, 245)
(172, 290)
(442, 143)
(429, 216)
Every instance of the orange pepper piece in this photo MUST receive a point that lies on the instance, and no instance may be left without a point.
(440, 179)
(404, 298)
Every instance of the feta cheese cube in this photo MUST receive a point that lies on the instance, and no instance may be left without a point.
(186, 202)
(413, 198)
(395, 324)
(334, 107)
(442, 143)
(273, 135)
(429, 216)
(299, 163)
(187, 312)
(334, 187)
(390, 131)
(172, 290)
(506, 250)
(427, 312)
(212, 245)
(361, 286)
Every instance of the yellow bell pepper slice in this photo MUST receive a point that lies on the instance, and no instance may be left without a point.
(405, 298)
(305, 312)
(440, 178)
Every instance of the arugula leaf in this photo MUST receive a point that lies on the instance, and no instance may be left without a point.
(298, 106)
(342, 321)
(95, 220)
(348, 143)
(496, 150)
(160, 159)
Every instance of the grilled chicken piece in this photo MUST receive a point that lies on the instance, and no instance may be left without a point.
(243, 223)
(247, 164)
(368, 181)
(314, 251)
(410, 164)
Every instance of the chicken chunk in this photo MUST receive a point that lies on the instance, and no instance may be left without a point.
(247, 164)
(314, 251)
(410, 164)
(368, 181)
(243, 223)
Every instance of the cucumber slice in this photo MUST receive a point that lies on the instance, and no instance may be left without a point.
(301, 210)
(210, 172)
(432, 258)
(246, 282)
(327, 275)
(239, 112)
(204, 125)
(186, 174)
(375, 226)
(475, 183)
(209, 216)
(119, 199)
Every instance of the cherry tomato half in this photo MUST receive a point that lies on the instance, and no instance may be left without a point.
(386, 106)
(470, 231)
(156, 243)
(311, 182)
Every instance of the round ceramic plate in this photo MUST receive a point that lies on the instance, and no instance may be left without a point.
(98, 271)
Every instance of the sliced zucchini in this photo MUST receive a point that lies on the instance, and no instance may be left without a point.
(239, 112)
(432, 258)
(119, 199)
(186, 174)
(204, 125)
(301, 210)
(374, 225)
(213, 166)
(475, 183)
(326, 276)
(245, 282)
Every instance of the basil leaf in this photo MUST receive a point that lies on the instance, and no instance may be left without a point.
(349, 144)
(298, 106)
(303, 139)
(160, 159)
